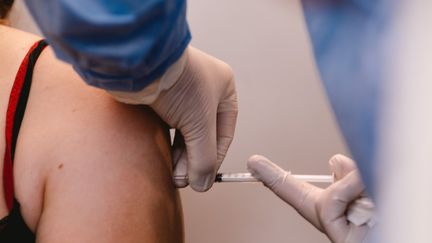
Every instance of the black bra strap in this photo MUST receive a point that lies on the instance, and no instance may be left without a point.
(25, 91)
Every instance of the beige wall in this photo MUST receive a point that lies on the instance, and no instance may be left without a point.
(283, 114)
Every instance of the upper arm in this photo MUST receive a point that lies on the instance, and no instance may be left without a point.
(114, 188)
(106, 166)
(111, 195)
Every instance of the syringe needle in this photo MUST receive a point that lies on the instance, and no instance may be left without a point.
(248, 177)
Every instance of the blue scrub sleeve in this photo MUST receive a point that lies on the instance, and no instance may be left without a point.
(115, 45)
(349, 42)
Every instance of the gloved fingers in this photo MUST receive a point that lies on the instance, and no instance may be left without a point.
(229, 93)
(356, 234)
(300, 195)
(179, 156)
(177, 147)
(226, 120)
(339, 195)
(349, 234)
(202, 156)
(341, 165)
(181, 169)
(348, 188)
(335, 201)
(226, 123)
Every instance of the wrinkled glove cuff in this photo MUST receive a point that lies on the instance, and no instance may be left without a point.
(150, 93)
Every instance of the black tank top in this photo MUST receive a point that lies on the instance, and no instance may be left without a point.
(12, 227)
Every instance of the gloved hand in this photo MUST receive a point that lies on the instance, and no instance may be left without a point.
(326, 209)
(197, 96)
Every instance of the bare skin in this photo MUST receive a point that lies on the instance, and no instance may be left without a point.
(87, 168)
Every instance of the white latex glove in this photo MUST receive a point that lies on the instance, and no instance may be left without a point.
(326, 209)
(197, 96)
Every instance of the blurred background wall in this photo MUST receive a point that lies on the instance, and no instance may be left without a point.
(284, 115)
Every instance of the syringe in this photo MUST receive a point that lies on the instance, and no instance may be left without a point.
(359, 213)
(248, 177)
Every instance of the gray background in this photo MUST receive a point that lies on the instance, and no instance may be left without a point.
(284, 115)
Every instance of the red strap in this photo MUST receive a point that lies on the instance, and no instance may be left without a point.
(8, 181)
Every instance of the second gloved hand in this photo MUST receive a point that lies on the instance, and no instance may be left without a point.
(327, 209)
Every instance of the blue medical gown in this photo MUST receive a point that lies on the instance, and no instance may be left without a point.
(349, 39)
(115, 45)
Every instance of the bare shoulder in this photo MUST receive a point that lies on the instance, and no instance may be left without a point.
(14, 44)
(90, 169)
